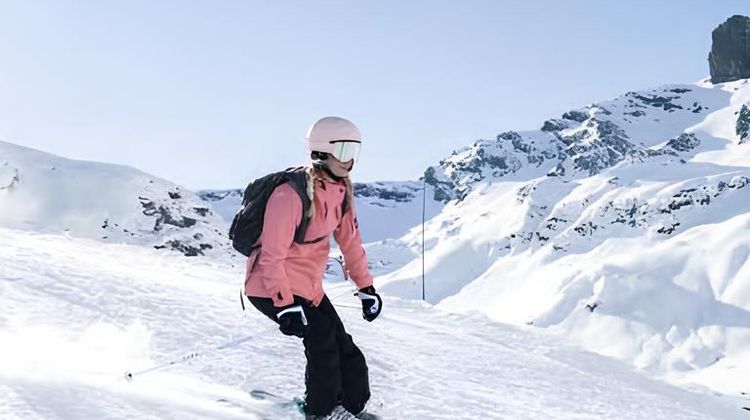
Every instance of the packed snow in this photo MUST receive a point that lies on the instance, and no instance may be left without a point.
(79, 313)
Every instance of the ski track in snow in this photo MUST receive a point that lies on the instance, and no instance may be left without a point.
(76, 314)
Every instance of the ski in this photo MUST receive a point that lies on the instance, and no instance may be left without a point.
(298, 403)
(289, 406)
(295, 402)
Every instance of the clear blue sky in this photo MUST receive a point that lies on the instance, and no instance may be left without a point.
(212, 93)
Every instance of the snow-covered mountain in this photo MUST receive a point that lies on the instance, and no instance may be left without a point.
(621, 228)
(113, 203)
(624, 225)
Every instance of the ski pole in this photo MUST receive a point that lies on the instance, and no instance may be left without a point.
(348, 306)
(194, 355)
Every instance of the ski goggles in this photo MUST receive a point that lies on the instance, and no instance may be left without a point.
(346, 150)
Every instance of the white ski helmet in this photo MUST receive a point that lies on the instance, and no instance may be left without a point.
(336, 136)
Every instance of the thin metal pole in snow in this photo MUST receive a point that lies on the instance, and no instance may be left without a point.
(424, 200)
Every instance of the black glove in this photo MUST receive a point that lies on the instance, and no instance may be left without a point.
(292, 320)
(371, 303)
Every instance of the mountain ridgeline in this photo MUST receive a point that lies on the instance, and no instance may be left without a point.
(622, 224)
(112, 203)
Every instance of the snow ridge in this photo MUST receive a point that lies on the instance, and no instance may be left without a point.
(622, 225)
(112, 203)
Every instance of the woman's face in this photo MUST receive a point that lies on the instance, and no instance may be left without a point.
(339, 168)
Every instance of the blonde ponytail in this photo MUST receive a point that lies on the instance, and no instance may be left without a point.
(313, 175)
(349, 192)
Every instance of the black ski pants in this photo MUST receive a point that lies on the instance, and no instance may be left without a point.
(336, 371)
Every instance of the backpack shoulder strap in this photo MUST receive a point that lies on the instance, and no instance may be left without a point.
(264, 184)
(297, 179)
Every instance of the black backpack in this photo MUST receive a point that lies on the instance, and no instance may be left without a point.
(247, 224)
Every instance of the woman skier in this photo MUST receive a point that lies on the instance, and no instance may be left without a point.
(284, 277)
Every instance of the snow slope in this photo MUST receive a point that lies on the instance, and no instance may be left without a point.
(114, 203)
(624, 225)
(78, 313)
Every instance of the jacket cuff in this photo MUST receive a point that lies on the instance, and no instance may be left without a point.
(362, 282)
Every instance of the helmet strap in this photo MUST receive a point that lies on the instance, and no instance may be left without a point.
(320, 162)
(333, 177)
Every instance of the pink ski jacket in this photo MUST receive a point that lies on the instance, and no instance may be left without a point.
(282, 268)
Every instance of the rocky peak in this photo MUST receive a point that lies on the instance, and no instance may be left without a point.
(384, 191)
(685, 142)
(486, 160)
(729, 58)
(596, 145)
